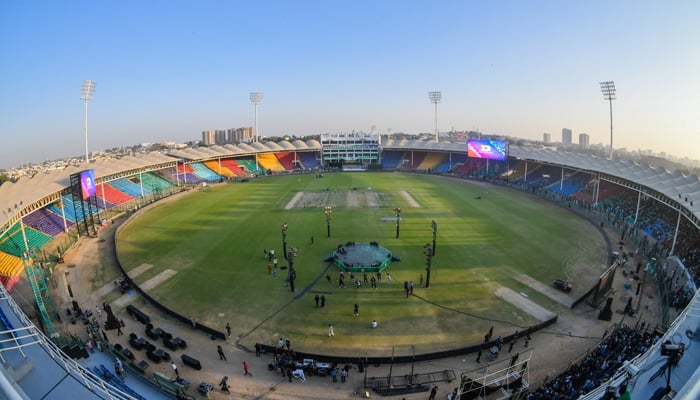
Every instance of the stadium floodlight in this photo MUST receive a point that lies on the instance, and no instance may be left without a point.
(397, 210)
(435, 98)
(328, 210)
(256, 98)
(433, 224)
(88, 91)
(608, 89)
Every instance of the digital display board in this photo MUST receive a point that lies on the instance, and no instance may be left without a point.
(87, 183)
(487, 149)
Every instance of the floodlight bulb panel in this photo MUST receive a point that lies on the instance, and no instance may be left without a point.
(256, 97)
(88, 89)
(435, 97)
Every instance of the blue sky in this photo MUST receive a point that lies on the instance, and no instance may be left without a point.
(167, 70)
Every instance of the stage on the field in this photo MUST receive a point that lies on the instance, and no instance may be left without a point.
(362, 257)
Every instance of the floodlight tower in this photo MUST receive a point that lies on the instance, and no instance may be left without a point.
(88, 91)
(608, 89)
(435, 98)
(256, 98)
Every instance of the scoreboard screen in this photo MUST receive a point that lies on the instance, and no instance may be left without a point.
(87, 183)
(487, 149)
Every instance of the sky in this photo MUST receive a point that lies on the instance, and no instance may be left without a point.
(166, 70)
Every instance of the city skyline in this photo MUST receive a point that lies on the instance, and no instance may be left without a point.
(168, 71)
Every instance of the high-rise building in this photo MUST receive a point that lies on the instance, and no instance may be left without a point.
(220, 136)
(566, 137)
(584, 140)
(547, 138)
(240, 135)
(208, 137)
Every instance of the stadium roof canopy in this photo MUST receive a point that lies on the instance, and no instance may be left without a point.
(27, 190)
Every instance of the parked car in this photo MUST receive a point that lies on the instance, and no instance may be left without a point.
(563, 285)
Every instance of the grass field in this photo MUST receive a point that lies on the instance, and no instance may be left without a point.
(213, 239)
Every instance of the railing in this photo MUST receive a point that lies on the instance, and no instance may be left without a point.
(34, 336)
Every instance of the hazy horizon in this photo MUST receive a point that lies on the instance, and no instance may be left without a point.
(166, 71)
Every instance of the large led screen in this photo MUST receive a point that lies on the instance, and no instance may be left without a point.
(87, 183)
(488, 149)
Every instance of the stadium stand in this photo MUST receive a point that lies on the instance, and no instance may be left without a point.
(216, 166)
(598, 366)
(65, 208)
(155, 182)
(184, 168)
(450, 163)
(392, 159)
(232, 165)
(112, 196)
(12, 241)
(44, 221)
(572, 183)
(133, 189)
(415, 158)
(432, 161)
(250, 165)
(205, 173)
(270, 162)
(286, 159)
(308, 160)
(10, 266)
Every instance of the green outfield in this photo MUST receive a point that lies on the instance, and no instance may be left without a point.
(206, 249)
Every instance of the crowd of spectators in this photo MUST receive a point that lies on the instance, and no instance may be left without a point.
(598, 366)
(654, 227)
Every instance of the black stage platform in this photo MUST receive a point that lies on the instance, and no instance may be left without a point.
(362, 257)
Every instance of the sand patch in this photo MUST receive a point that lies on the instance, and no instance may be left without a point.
(549, 291)
(101, 292)
(294, 201)
(139, 270)
(525, 304)
(373, 199)
(122, 301)
(411, 201)
(352, 199)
